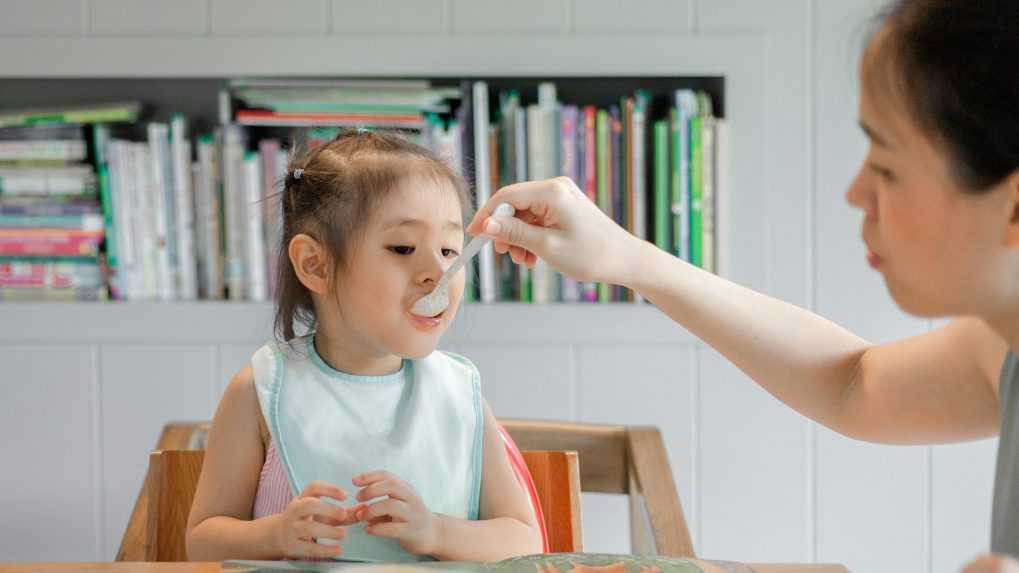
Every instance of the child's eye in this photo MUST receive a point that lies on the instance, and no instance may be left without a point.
(449, 253)
(402, 249)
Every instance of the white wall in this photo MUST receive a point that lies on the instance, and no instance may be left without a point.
(86, 388)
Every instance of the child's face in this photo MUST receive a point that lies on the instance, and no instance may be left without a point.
(412, 237)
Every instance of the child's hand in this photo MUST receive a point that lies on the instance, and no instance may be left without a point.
(403, 516)
(307, 518)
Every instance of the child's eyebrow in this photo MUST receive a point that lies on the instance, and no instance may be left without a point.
(410, 222)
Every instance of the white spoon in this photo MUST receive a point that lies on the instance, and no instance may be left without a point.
(436, 301)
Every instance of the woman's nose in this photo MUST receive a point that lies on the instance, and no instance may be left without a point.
(861, 193)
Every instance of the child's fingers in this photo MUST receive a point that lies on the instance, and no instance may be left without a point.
(316, 530)
(312, 549)
(393, 508)
(320, 488)
(394, 529)
(352, 514)
(371, 477)
(393, 488)
(316, 508)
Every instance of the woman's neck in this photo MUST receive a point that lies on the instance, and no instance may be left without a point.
(345, 353)
(1007, 327)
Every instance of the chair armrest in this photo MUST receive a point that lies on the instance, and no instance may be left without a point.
(654, 501)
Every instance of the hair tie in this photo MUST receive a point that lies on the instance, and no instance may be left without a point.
(298, 173)
(362, 130)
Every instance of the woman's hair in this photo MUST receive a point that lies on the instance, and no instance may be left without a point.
(954, 65)
(330, 193)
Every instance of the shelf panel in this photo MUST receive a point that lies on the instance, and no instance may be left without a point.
(231, 322)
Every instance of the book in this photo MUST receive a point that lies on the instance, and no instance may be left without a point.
(234, 211)
(49, 242)
(483, 185)
(183, 209)
(64, 180)
(254, 224)
(208, 213)
(163, 215)
(98, 113)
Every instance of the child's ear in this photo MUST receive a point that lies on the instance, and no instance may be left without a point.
(310, 263)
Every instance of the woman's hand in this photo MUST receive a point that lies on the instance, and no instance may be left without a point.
(992, 563)
(308, 518)
(556, 222)
(402, 515)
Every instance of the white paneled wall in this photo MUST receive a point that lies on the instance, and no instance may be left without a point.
(86, 387)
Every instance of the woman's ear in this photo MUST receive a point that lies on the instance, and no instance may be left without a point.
(310, 263)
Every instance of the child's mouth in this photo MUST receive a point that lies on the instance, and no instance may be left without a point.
(426, 323)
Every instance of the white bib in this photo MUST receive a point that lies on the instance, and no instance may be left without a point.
(423, 424)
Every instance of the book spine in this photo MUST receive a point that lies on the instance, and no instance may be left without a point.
(143, 219)
(708, 193)
(233, 193)
(569, 167)
(589, 290)
(722, 168)
(696, 190)
(100, 140)
(43, 150)
(123, 193)
(537, 157)
(604, 182)
(521, 134)
(482, 182)
(56, 244)
(162, 202)
(70, 180)
(208, 213)
(86, 222)
(254, 228)
(184, 211)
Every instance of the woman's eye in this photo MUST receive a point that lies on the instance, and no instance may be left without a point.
(883, 173)
(449, 253)
(402, 249)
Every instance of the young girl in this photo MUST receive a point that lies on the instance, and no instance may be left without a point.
(362, 410)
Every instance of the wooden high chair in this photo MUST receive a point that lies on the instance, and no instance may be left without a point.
(173, 479)
(627, 460)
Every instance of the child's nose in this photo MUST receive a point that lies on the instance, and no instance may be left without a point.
(432, 269)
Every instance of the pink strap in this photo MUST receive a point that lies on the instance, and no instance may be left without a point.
(524, 477)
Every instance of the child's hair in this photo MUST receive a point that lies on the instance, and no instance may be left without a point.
(330, 193)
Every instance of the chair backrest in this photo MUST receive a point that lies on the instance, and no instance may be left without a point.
(174, 476)
(629, 460)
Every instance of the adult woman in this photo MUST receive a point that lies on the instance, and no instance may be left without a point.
(940, 192)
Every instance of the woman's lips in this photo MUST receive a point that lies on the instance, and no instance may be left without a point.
(873, 259)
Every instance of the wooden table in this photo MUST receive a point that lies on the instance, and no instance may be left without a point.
(213, 567)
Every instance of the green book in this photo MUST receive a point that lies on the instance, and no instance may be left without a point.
(696, 188)
(662, 212)
(100, 113)
(100, 137)
(603, 185)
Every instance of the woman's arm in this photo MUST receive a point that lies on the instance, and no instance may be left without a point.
(506, 526)
(936, 387)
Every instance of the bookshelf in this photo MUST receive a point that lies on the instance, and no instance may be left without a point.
(120, 350)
